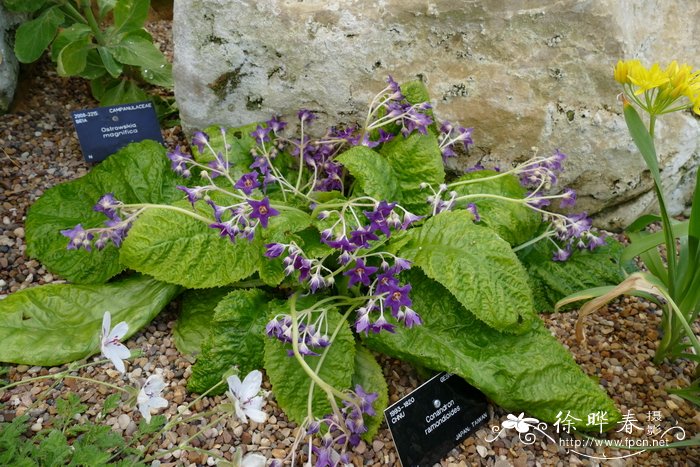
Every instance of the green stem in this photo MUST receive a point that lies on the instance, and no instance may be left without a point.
(545, 234)
(171, 208)
(330, 390)
(71, 11)
(92, 22)
(182, 444)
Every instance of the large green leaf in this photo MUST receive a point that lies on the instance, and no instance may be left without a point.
(476, 266)
(59, 323)
(194, 322)
(72, 59)
(415, 160)
(368, 374)
(112, 91)
(136, 50)
(130, 15)
(513, 221)
(553, 280)
(290, 382)
(67, 35)
(138, 173)
(373, 174)
(529, 372)
(174, 247)
(236, 336)
(33, 37)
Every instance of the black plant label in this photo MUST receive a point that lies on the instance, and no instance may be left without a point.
(104, 130)
(433, 419)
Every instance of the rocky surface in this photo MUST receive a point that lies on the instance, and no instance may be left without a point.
(523, 74)
(40, 149)
(9, 66)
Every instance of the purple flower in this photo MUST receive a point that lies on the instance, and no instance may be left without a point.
(200, 139)
(178, 161)
(366, 400)
(226, 229)
(394, 88)
(262, 210)
(411, 318)
(275, 124)
(107, 205)
(218, 210)
(397, 297)
(362, 236)
(568, 198)
(381, 325)
(471, 207)
(384, 136)
(219, 165)
(562, 254)
(193, 194)
(408, 219)
(378, 217)
(360, 273)
(261, 134)
(78, 238)
(273, 250)
(306, 115)
(386, 282)
(248, 182)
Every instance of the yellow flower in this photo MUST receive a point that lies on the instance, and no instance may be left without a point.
(645, 79)
(662, 88)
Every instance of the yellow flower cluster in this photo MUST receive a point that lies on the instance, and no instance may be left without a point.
(658, 90)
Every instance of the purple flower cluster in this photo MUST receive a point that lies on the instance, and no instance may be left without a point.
(244, 218)
(280, 327)
(451, 135)
(344, 430)
(115, 229)
(541, 175)
(397, 110)
(179, 162)
(574, 231)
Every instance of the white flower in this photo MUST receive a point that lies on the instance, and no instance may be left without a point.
(149, 396)
(111, 347)
(245, 396)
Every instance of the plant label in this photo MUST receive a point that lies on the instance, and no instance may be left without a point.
(105, 130)
(433, 419)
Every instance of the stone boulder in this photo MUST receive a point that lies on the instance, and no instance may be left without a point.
(9, 67)
(527, 75)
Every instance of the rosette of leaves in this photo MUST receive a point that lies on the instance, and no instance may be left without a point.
(103, 41)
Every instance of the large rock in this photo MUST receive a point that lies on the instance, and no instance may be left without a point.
(9, 67)
(524, 74)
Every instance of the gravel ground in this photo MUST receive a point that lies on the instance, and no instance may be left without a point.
(40, 149)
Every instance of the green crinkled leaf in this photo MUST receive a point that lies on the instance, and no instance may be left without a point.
(138, 173)
(530, 372)
(291, 384)
(236, 336)
(59, 323)
(414, 160)
(174, 247)
(372, 172)
(368, 374)
(33, 37)
(476, 266)
(553, 280)
(514, 222)
(194, 322)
